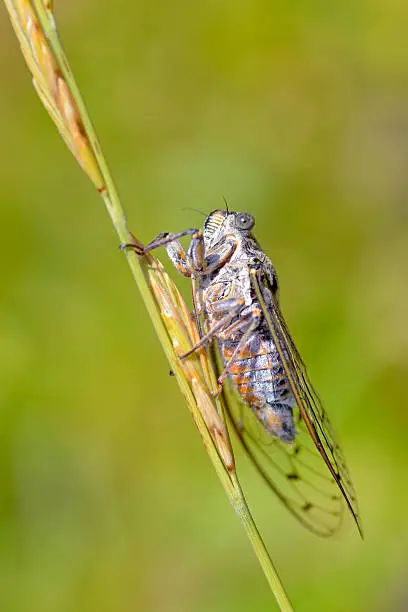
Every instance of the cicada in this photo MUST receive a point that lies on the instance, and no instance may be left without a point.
(276, 413)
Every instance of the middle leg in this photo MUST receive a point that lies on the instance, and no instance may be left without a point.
(248, 324)
(232, 306)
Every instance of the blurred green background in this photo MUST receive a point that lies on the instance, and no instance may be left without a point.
(297, 112)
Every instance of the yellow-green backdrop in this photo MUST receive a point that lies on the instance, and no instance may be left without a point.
(295, 111)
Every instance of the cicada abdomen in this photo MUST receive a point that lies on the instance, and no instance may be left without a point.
(259, 377)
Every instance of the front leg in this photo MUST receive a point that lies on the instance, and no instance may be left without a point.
(175, 251)
(219, 255)
(195, 262)
(173, 247)
(188, 264)
(202, 263)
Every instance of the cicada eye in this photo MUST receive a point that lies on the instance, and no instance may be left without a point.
(244, 221)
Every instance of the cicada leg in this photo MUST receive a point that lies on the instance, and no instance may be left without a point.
(195, 262)
(250, 321)
(233, 307)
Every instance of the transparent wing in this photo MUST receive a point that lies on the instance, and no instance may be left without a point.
(309, 476)
(295, 472)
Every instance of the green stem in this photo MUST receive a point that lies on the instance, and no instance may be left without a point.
(241, 508)
(140, 271)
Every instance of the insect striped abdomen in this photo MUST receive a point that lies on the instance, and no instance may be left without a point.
(259, 378)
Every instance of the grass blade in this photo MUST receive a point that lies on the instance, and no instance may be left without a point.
(36, 31)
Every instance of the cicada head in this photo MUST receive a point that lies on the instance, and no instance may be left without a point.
(220, 223)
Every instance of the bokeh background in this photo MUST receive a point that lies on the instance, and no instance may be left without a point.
(297, 112)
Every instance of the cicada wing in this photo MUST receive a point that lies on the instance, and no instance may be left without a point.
(312, 415)
(294, 472)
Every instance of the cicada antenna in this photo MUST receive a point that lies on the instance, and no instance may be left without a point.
(195, 210)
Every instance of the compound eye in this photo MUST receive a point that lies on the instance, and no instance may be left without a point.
(244, 221)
